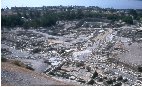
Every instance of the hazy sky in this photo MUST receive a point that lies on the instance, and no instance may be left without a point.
(100, 3)
(10, 3)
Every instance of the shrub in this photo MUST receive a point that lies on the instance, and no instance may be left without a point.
(91, 82)
(95, 74)
(100, 80)
(81, 80)
(88, 68)
(52, 73)
(109, 81)
(125, 80)
(36, 50)
(139, 68)
(79, 64)
(120, 78)
(18, 63)
(104, 77)
(117, 84)
(114, 80)
(3, 59)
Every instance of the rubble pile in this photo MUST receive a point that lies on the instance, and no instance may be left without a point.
(92, 53)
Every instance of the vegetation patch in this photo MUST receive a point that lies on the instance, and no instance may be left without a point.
(18, 63)
(91, 82)
(95, 74)
(21, 64)
(139, 68)
(3, 59)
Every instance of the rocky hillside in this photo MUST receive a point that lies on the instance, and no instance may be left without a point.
(13, 75)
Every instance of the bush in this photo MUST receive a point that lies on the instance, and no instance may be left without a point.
(120, 78)
(36, 50)
(65, 75)
(79, 64)
(81, 80)
(100, 80)
(52, 73)
(3, 59)
(91, 82)
(47, 61)
(114, 80)
(109, 81)
(139, 68)
(125, 80)
(95, 74)
(128, 19)
(18, 63)
(117, 84)
(21, 64)
(88, 68)
(105, 78)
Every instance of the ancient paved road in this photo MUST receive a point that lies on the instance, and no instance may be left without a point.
(12, 75)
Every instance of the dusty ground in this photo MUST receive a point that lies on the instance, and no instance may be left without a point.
(133, 55)
(12, 75)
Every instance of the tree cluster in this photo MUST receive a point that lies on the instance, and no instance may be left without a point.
(37, 19)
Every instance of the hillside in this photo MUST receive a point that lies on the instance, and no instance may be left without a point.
(12, 75)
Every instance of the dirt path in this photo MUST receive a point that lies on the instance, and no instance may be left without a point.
(101, 36)
(12, 75)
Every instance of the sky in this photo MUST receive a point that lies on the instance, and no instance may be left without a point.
(34, 3)
(100, 3)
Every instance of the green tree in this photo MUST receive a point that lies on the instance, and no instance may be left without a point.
(80, 14)
(26, 25)
(128, 19)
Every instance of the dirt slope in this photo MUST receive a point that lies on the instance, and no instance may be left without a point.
(12, 75)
